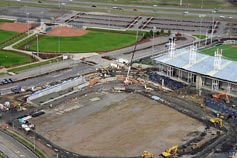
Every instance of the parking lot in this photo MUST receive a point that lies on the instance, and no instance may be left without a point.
(102, 20)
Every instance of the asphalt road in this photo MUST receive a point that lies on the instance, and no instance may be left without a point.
(76, 70)
(14, 149)
(141, 8)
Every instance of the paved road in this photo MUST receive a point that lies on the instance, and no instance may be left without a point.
(141, 8)
(72, 71)
(14, 149)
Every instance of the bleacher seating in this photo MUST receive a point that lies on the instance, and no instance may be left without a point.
(167, 81)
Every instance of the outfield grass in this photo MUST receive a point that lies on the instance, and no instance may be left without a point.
(8, 59)
(91, 42)
(228, 52)
(4, 35)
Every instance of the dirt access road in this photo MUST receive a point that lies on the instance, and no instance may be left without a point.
(115, 125)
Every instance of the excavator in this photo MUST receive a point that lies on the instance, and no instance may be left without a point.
(171, 152)
(217, 120)
(219, 95)
(147, 154)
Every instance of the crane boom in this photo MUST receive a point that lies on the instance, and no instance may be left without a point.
(130, 64)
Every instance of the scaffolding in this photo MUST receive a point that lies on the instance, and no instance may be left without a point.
(217, 59)
(171, 48)
(193, 54)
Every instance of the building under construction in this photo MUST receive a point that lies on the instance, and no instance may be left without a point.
(204, 71)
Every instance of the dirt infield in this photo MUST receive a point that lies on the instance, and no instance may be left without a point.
(234, 46)
(17, 27)
(67, 32)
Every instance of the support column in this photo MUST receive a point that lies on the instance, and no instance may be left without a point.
(215, 85)
(199, 82)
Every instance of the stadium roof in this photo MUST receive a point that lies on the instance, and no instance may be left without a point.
(204, 64)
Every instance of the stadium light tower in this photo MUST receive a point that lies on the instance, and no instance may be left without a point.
(213, 23)
(201, 16)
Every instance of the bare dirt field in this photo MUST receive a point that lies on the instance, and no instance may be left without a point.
(67, 32)
(17, 27)
(115, 125)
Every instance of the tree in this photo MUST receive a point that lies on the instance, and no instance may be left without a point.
(162, 31)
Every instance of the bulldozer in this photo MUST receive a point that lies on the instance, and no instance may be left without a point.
(217, 120)
(219, 95)
(171, 152)
(147, 154)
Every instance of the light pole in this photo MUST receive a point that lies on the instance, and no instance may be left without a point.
(59, 4)
(18, 2)
(42, 16)
(59, 40)
(28, 27)
(63, 6)
(37, 38)
(202, 4)
(180, 2)
(200, 32)
(213, 25)
(153, 40)
(109, 17)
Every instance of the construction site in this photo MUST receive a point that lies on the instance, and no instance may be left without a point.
(113, 113)
(129, 110)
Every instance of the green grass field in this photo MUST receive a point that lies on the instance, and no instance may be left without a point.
(91, 42)
(8, 59)
(200, 36)
(228, 52)
(4, 35)
(5, 20)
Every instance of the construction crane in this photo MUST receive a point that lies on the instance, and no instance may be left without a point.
(217, 120)
(171, 152)
(147, 154)
(219, 95)
(127, 81)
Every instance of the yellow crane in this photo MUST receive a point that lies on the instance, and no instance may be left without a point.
(217, 120)
(147, 154)
(171, 152)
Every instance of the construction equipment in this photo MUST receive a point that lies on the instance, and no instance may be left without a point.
(217, 120)
(126, 81)
(147, 154)
(171, 152)
(219, 95)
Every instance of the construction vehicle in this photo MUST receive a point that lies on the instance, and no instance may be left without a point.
(147, 89)
(127, 81)
(217, 120)
(219, 95)
(147, 154)
(171, 152)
